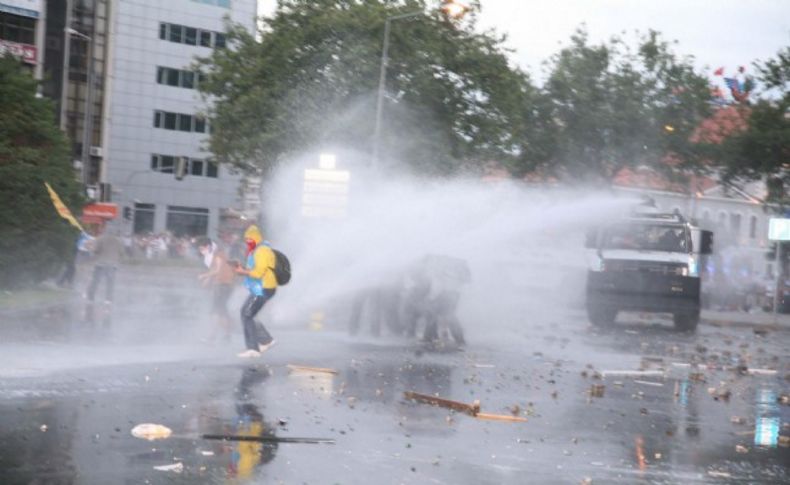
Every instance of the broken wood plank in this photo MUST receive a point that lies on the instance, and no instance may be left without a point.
(318, 370)
(500, 417)
(470, 409)
(267, 439)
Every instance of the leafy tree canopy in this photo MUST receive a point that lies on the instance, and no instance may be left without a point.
(611, 107)
(310, 79)
(35, 240)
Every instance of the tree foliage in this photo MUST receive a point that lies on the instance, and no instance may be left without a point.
(311, 80)
(608, 107)
(35, 240)
(763, 148)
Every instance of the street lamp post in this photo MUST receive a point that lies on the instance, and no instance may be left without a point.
(87, 123)
(451, 8)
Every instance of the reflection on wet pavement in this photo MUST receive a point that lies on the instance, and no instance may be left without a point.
(634, 404)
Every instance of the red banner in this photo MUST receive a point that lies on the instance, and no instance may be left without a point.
(100, 210)
(28, 53)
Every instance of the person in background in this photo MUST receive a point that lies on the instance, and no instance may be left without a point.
(107, 254)
(262, 285)
(67, 278)
(220, 276)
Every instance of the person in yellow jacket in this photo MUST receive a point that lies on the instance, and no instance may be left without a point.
(262, 285)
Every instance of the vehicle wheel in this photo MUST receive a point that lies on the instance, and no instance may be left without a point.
(687, 321)
(601, 316)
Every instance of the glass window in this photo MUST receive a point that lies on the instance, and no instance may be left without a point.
(200, 124)
(170, 121)
(205, 38)
(176, 33)
(157, 119)
(212, 169)
(144, 218)
(753, 227)
(190, 35)
(166, 163)
(201, 78)
(160, 75)
(188, 79)
(163, 31)
(172, 77)
(184, 122)
(187, 221)
(196, 167)
(154, 162)
(219, 40)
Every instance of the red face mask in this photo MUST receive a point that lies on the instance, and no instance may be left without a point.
(250, 245)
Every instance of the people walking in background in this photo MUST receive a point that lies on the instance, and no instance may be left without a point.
(262, 285)
(219, 277)
(66, 280)
(107, 253)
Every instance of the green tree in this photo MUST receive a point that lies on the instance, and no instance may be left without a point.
(35, 240)
(608, 107)
(763, 148)
(311, 79)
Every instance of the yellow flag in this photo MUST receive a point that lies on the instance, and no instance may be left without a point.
(62, 209)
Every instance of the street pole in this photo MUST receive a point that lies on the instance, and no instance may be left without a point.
(779, 277)
(383, 83)
(64, 88)
(87, 123)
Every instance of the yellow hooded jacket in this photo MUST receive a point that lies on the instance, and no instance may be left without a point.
(262, 260)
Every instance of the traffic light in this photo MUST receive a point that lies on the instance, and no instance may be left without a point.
(127, 213)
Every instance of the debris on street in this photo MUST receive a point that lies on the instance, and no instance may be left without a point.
(470, 409)
(151, 432)
(267, 439)
(597, 390)
(307, 369)
(635, 373)
(175, 467)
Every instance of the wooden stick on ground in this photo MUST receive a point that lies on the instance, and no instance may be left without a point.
(303, 368)
(462, 407)
(500, 417)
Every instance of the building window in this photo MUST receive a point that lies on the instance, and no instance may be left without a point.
(212, 170)
(216, 3)
(200, 125)
(191, 35)
(180, 121)
(219, 40)
(144, 218)
(735, 225)
(170, 121)
(205, 38)
(184, 123)
(176, 32)
(753, 227)
(187, 221)
(188, 79)
(16, 28)
(175, 77)
(196, 168)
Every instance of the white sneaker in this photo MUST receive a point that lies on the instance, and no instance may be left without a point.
(264, 348)
(249, 354)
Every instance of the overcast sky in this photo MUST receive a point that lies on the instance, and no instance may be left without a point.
(717, 33)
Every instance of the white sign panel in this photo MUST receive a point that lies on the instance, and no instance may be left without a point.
(779, 229)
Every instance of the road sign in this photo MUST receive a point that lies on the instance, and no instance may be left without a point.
(779, 229)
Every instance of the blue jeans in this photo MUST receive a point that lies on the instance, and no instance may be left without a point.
(255, 333)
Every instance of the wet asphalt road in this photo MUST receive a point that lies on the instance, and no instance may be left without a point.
(68, 403)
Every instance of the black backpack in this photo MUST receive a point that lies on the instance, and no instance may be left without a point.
(282, 268)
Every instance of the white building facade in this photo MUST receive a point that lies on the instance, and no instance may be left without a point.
(153, 113)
